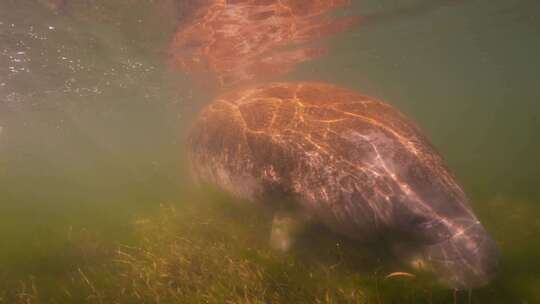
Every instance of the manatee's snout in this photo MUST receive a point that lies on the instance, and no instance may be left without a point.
(466, 260)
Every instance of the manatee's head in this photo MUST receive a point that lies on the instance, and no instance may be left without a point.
(445, 238)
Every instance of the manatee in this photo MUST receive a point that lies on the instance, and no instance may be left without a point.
(316, 152)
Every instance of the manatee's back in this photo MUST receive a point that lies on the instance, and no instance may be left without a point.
(347, 158)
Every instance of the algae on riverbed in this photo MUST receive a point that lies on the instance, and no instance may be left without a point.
(211, 253)
(214, 251)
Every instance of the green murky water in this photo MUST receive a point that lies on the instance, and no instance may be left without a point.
(92, 119)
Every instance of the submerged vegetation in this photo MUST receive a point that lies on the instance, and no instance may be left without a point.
(186, 257)
(218, 253)
(209, 253)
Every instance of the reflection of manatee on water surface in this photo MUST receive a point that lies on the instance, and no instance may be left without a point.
(237, 42)
(345, 160)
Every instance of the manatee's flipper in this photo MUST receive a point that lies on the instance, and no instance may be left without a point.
(286, 226)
